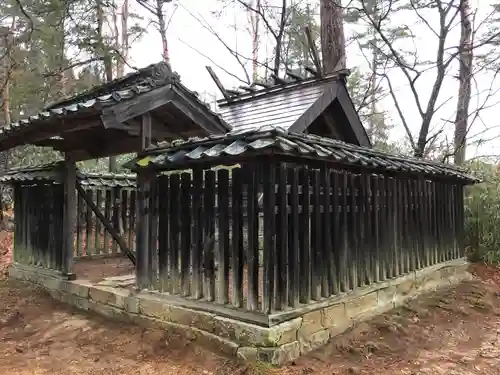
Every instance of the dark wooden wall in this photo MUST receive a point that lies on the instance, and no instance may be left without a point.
(38, 213)
(118, 205)
(325, 232)
(317, 231)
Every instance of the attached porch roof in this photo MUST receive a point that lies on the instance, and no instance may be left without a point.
(54, 172)
(106, 120)
(241, 146)
(319, 106)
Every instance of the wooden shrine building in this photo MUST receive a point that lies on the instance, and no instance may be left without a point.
(129, 114)
(273, 215)
(336, 218)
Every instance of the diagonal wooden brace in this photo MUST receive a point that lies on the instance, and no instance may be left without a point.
(107, 224)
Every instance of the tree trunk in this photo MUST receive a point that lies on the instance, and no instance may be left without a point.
(124, 45)
(121, 44)
(108, 65)
(332, 36)
(6, 88)
(279, 39)
(464, 89)
(255, 42)
(4, 155)
(373, 94)
(162, 26)
(373, 121)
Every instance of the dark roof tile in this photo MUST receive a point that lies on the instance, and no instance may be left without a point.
(94, 100)
(54, 172)
(283, 142)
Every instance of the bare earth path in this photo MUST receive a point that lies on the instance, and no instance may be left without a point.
(453, 332)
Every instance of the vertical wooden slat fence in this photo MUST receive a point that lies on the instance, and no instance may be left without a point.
(117, 204)
(38, 210)
(318, 232)
(38, 213)
(262, 237)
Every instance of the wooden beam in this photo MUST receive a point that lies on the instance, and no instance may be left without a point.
(217, 82)
(142, 265)
(233, 92)
(114, 116)
(319, 106)
(103, 145)
(312, 70)
(145, 132)
(262, 84)
(41, 134)
(107, 224)
(279, 80)
(200, 114)
(69, 217)
(295, 76)
(314, 51)
(248, 88)
(158, 129)
(352, 116)
(199, 118)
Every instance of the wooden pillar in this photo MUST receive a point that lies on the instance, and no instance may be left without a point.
(142, 231)
(143, 256)
(69, 217)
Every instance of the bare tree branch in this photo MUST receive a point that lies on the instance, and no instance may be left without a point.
(214, 63)
(209, 28)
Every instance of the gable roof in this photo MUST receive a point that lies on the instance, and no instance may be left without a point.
(151, 75)
(155, 85)
(271, 140)
(295, 106)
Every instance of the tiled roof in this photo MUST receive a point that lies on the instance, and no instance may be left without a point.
(107, 180)
(55, 172)
(280, 141)
(94, 100)
(51, 171)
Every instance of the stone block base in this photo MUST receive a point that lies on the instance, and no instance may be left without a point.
(289, 334)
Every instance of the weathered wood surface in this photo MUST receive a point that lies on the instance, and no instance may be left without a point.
(318, 231)
(323, 232)
(106, 223)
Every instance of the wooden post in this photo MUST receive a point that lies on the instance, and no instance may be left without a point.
(69, 217)
(142, 243)
(223, 227)
(142, 228)
(269, 182)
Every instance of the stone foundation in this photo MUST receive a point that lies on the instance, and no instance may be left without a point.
(289, 334)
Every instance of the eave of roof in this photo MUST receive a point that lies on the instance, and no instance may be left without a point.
(54, 172)
(154, 72)
(281, 142)
(98, 180)
(93, 101)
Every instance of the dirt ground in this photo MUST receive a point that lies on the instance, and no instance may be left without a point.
(453, 332)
